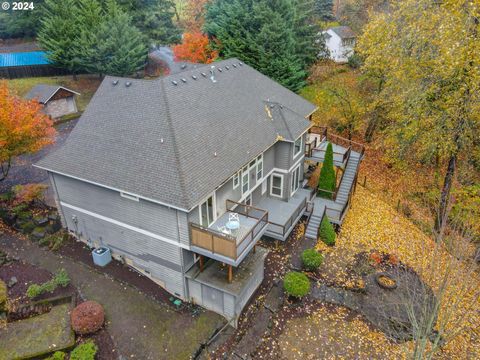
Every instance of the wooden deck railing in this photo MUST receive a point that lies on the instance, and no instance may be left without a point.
(224, 244)
(336, 139)
(285, 227)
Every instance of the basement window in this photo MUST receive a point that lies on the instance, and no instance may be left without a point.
(129, 196)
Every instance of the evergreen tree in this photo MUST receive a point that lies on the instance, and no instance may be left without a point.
(326, 232)
(307, 32)
(271, 35)
(324, 9)
(326, 181)
(119, 46)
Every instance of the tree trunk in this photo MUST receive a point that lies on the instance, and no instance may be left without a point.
(445, 196)
(5, 168)
(371, 127)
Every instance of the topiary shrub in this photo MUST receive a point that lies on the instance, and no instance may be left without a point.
(311, 259)
(87, 317)
(57, 355)
(326, 233)
(296, 284)
(326, 180)
(85, 351)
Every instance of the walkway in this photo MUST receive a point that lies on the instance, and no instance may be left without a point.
(140, 327)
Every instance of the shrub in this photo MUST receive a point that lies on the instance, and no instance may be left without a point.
(296, 284)
(326, 180)
(57, 355)
(29, 193)
(53, 241)
(60, 279)
(311, 259)
(85, 351)
(87, 317)
(326, 232)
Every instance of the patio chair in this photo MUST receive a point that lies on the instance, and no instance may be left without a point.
(233, 217)
(224, 230)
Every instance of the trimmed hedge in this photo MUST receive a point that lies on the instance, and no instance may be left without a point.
(327, 180)
(311, 259)
(296, 284)
(326, 232)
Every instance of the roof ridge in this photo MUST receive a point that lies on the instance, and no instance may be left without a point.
(174, 144)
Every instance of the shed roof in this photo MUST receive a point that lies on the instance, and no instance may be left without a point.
(345, 32)
(174, 141)
(23, 59)
(44, 92)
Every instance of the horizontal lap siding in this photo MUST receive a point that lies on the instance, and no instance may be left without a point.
(283, 155)
(142, 214)
(161, 259)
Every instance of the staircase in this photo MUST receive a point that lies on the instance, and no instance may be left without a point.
(348, 178)
(313, 225)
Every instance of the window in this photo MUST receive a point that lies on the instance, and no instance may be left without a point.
(252, 163)
(276, 185)
(236, 180)
(297, 147)
(295, 179)
(129, 196)
(245, 180)
(207, 213)
(259, 167)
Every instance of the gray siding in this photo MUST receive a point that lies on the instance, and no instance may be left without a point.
(283, 155)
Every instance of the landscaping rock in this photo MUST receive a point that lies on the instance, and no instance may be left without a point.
(87, 318)
(11, 283)
(38, 233)
(41, 221)
(53, 217)
(25, 227)
(275, 297)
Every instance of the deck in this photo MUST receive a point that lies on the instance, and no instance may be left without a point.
(283, 215)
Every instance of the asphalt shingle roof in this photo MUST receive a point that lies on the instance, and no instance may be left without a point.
(345, 32)
(44, 92)
(175, 143)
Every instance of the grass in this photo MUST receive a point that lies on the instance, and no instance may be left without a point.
(86, 85)
(38, 335)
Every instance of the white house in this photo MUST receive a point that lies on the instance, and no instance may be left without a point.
(340, 42)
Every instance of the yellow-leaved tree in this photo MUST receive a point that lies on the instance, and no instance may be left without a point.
(428, 54)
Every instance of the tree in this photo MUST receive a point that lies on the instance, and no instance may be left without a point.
(23, 128)
(432, 81)
(119, 48)
(327, 180)
(324, 9)
(21, 24)
(196, 48)
(308, 44)
(195, 15)
(265, 34)
(326, 232)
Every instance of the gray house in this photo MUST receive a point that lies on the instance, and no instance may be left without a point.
(159, 170)
(57, 101)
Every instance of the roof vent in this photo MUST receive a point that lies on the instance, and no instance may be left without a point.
(234, 65)
(215, 154)
(115, 82)
(240, 63)
(220, 69)
(174, 82)
(212, 74)
(226, 67)
(183, 66)
(128, 83)
(194, 77)
(184, 80)
(161, 140)
(204, 75)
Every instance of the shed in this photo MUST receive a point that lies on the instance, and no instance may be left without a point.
(57, 100)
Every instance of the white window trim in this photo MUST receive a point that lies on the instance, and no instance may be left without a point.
(259, 160)
(247, 199)
(292, 191)
(129, 196)
(281, 185)
(264, 186)
(214, 209)
(237, 178)
(301, 146)
(247, 172)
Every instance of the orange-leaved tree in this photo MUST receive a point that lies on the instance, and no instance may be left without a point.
(23, 128)
(195, 47)
(195, 15)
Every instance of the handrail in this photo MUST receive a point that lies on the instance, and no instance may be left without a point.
(212, 231)
(292, 217)
(265, 215)
(247, 207)
(337, 139)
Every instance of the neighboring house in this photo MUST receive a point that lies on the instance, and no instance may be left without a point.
(57, 101)
(156, 169)
(340, 43)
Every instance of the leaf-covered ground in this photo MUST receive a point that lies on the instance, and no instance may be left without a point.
(372, 224)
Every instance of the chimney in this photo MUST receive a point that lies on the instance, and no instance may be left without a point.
(212, 74)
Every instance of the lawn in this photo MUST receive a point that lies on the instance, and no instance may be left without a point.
(86, 85)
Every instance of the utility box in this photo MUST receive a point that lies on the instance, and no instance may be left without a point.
(101, 256)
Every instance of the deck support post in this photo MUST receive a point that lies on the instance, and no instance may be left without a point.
(230, 273)
(254, 248)
(201, 263)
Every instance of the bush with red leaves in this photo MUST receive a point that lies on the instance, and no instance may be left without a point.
(87, 317)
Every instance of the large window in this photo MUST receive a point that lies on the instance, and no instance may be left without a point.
(207, 212)
(295, 179)
(259, 167)
(276, 185)
(236, 180)
(297, 147)
(245, 180)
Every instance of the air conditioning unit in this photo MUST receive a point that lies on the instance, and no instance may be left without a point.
(101, 256)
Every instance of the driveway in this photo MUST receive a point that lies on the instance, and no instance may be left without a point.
(22, 172)
(140, 327)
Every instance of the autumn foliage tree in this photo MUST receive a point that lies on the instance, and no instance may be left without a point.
(195, 47)
(195, 15)
(23, 128)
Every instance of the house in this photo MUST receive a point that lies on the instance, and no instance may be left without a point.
(181, 176)
(340, 43)
(57, 100)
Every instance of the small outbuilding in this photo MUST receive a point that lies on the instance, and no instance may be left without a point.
(57, 100)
